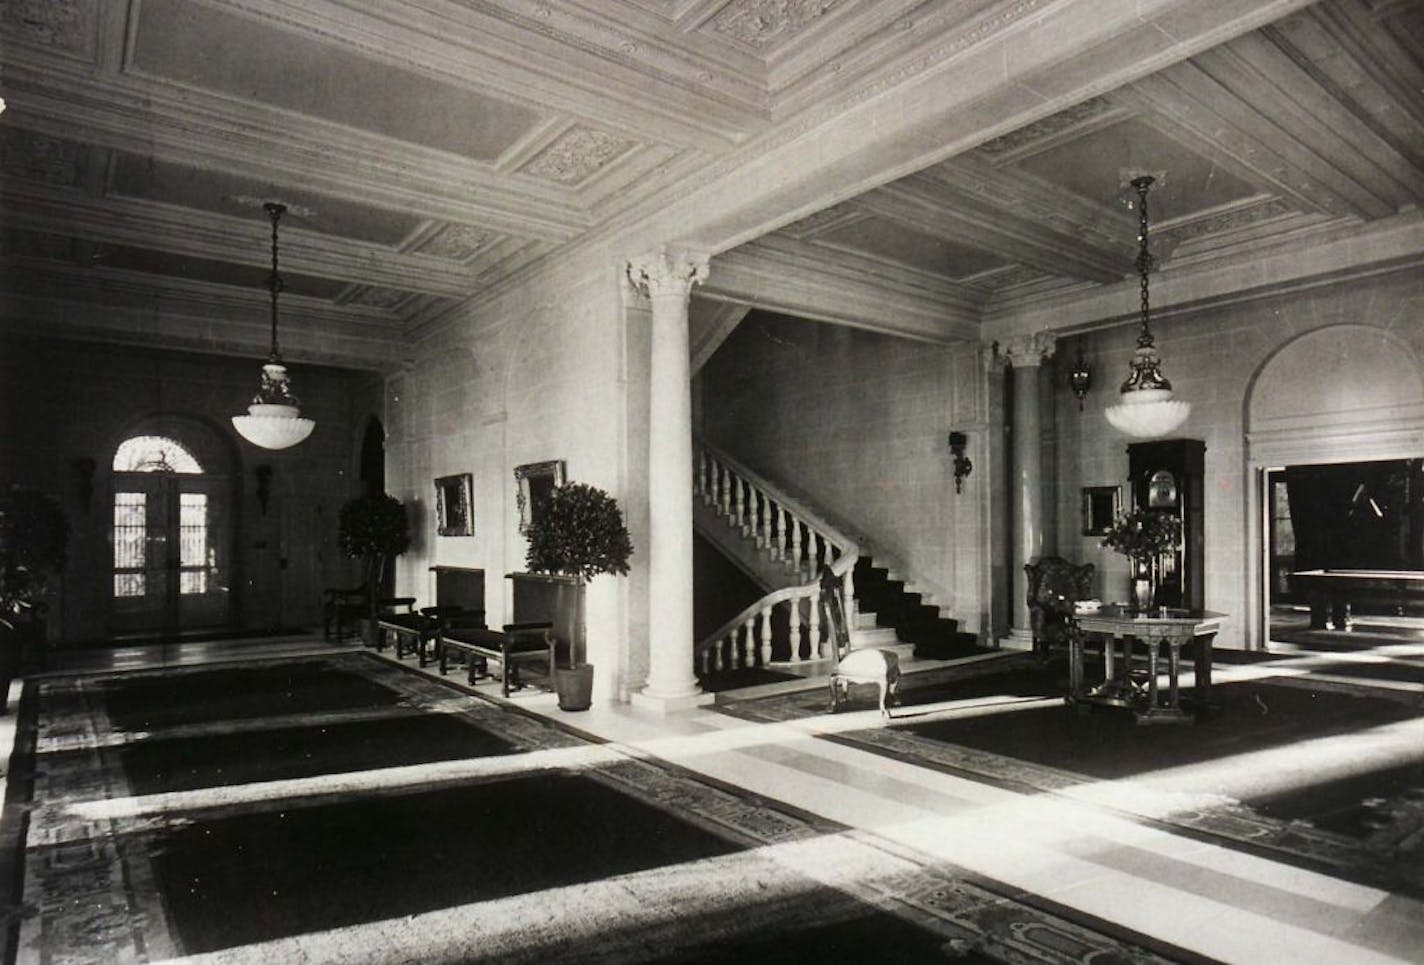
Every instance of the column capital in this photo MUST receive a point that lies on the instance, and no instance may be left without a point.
(667, 271)
(1023, 351)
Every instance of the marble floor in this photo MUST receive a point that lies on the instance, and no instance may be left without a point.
(1100, 853)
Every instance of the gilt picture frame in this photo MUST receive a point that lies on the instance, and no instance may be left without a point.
(454, 505)
(1101, 505)
(536, 480)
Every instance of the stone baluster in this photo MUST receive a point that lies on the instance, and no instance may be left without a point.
(796, 633)
(796, 544)
(748, 654)
(738, 485)
(765, 639)
(764, 541)
(813, 627)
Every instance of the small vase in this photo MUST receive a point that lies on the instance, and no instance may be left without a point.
(1144, 584)
(1142, 594)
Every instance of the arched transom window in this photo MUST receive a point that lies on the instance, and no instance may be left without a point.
(154, 454)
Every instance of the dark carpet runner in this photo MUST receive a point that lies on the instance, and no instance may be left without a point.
(148, 878)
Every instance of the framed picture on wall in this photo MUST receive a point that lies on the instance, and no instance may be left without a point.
(454, 502)
(536, 480)
(1101, 504)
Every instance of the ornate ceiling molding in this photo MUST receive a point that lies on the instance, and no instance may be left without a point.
(577, 155)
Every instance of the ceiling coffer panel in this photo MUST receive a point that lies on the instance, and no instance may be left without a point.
(253, 61)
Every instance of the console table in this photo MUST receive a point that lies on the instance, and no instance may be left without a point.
(1155, 628)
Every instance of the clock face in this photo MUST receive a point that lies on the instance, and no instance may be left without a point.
(1162, 490)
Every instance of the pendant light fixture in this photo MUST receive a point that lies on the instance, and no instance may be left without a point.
(1146, 409)
(273, 420)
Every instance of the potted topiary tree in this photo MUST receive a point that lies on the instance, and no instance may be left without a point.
(34, 538)
(373, 528)
(579, 533)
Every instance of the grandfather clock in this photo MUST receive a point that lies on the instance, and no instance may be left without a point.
(1167, 475)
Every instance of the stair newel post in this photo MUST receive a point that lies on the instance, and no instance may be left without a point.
(764, 636)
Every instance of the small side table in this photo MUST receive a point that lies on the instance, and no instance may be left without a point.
(1153, 627)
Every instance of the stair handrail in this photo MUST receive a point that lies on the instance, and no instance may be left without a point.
(847, 544)
(846, 553)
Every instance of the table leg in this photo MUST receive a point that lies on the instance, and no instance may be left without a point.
(1202, 666)
(1109, 644)
(1152, 676)
(1174, 660)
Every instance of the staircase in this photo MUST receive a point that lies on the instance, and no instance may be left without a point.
(782, 544)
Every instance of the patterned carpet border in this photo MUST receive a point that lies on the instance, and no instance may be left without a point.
(90, 893)
(1392, 859)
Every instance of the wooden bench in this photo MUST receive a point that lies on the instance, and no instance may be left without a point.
(515, 644)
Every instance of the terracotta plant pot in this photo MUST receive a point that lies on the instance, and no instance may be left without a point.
(574, 686)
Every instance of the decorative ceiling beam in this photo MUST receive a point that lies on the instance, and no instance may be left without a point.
(123, 307)
(932, 207)
(782, 275)
(526, 57)
(197, 234)
(1225, 127)
(189, 128)
(1334, 253)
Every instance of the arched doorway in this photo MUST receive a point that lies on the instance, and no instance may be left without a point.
(1330, 418)
(171, 533)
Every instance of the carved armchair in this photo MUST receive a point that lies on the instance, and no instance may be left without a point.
(1054, 586)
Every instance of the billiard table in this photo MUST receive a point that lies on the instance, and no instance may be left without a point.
(1332, 592)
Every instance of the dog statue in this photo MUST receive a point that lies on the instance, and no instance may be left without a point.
(879, 667)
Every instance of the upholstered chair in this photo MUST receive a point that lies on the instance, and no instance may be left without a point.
(1054, 586)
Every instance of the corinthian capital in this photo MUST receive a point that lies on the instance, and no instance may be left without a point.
(1022, 351)
(667, 271)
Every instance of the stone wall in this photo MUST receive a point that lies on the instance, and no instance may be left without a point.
(539, 373)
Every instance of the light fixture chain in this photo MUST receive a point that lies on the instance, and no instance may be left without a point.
(1144, 256)
(274, 280)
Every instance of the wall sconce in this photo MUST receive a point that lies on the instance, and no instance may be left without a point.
(264, 486)
(1080, 378)
(962, 466)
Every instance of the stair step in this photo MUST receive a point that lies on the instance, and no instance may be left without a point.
(880, 637)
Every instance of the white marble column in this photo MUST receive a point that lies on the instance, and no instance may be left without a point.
(666, 277)
(1025, 354)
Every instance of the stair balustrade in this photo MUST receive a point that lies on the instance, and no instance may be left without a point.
(789, 532)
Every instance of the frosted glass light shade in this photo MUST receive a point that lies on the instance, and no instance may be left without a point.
(273, 426)
(1148, 413)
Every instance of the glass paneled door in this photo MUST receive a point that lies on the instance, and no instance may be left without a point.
(171, 552)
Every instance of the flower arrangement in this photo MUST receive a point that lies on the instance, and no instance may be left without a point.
(1143, 534)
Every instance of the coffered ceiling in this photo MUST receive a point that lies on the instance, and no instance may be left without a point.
(430, 149)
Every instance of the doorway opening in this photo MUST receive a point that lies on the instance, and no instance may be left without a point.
(171, 539)
(1362, 523)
